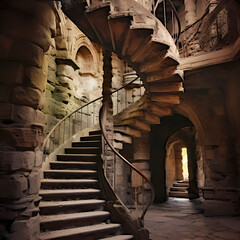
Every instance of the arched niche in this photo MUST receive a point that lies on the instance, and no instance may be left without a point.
(85, 61)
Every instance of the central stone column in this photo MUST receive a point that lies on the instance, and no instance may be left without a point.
(107, 102)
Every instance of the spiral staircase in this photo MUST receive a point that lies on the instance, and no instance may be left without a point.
(71, 208)
(139, 38)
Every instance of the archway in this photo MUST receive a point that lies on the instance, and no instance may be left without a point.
(167, 140)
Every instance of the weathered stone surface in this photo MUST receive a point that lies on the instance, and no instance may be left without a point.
(34, 182)
(60, 96)
(39, 10)
(21, 25)
(26, 52)
(61, 43)
(65, 82)
(141, 165)
(38, 158)
(65, 70)
(51, 62)
(13, 186)
(15, 160)
(28, 229)
(36, 78)
(52, 76)
(21, 114)
(19, 138)
(11, 73)
(5, 93)
(27, 96)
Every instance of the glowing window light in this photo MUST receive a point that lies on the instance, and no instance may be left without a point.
(184, 163)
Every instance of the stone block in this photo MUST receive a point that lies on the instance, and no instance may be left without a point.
(36, 78)
(27, 96)
(41, 11)
(22, 26)
(15, 160)
(5, 93)
(65, 82)
(19, 138)
(11, 73)
(38, 158)
(51, 62)
(52, 76)
(21, 114)
(141, 165)
(13, 186)
(61, 43)
(28, 229)
(65, 70)
(61, 97)
(34, 182)
(141, 156)
(27, 52)
(50, 87)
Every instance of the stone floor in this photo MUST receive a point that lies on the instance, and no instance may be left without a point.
(183, 219)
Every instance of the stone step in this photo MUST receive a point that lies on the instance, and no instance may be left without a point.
(145, 116)
(82, 150)
(77, 157)
(96, 132)
(119, 237)
(88, 232)
(70, 174)
(87, 144)
(181, 189)
(91, 138)
(183, 181)
(58, 207)
(70, 183)
(73, 165)
(119, 137)
(62, 221)
(135, 123)
(181, 185)
(178, 194)
(127, 130)
(66, 194)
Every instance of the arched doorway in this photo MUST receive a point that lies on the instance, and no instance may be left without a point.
(168, 140)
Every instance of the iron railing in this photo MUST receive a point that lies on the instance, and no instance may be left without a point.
(170, 19)
(138, 201)
(87, 116)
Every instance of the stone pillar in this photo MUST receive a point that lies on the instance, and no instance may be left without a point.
(25, 37)
(190, 12)
(141, 157)
(107, 102)
(178, 162)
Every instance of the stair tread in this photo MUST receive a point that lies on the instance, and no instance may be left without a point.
(69, 170)
(69, 202)
(119, 237)
(72, 162)
(63, 217)
(69, 180)
(79, 154)
(56, 191)
(80, 148)
(78, 230)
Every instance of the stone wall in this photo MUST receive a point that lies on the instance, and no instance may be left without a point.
(26, 34)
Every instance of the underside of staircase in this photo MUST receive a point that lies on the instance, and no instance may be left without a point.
(139, 38)
(71, 206)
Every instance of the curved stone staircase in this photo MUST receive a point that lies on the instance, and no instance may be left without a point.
(139, 38)
(71, 206)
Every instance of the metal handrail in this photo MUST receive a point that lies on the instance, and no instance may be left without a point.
(101, 120)
(77, 110)
(175, 13)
